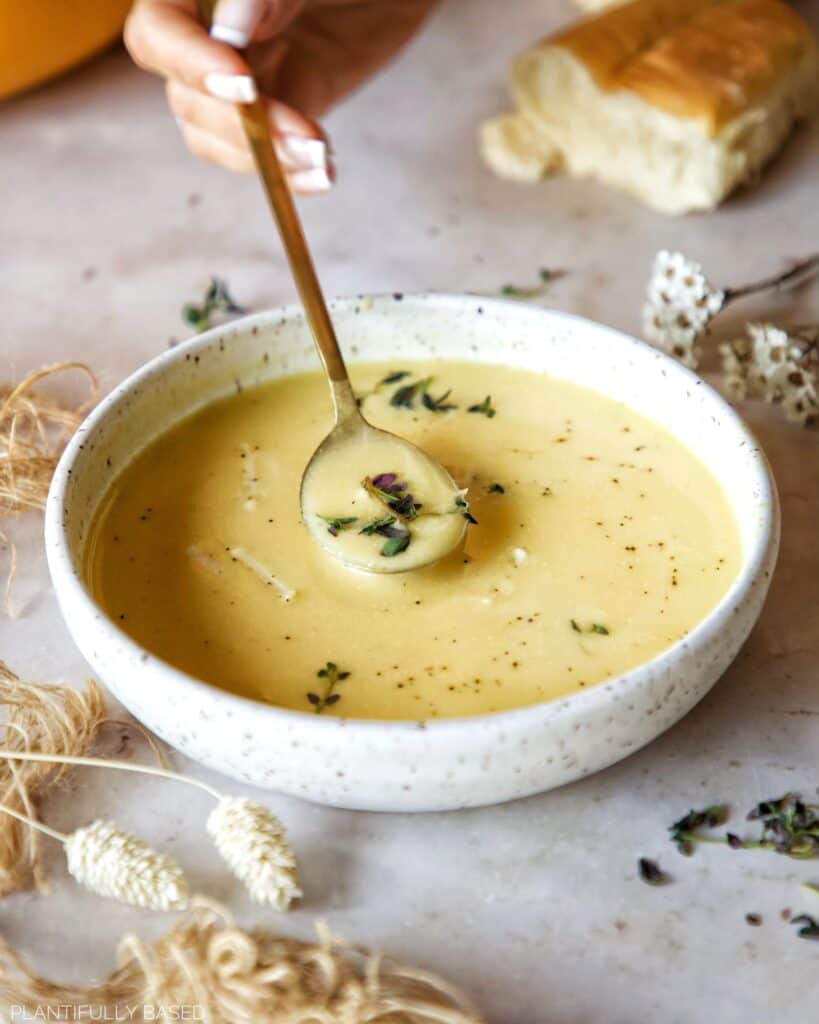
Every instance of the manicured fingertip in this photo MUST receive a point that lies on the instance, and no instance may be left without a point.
(233, 88)
(232, 36)
(315, 180)
(303, 153)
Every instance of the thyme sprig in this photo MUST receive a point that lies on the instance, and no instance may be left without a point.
(788, 826)
(393, 494)
(217, 299)
(332, 676)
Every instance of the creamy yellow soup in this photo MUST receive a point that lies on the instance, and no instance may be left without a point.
(599, 541)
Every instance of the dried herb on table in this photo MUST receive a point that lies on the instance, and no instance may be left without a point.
(546, 276)
(332, 676)
(217, 299)
(485, 408)
(651, 872)
(684, 832)
(809, 929)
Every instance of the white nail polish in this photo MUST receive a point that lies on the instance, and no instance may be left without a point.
(315, 180)
(302, 153)
(232, 36)
(233, 88)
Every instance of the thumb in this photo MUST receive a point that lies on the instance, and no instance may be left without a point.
(237, 21)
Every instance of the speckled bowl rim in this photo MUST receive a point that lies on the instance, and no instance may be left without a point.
(68, 580)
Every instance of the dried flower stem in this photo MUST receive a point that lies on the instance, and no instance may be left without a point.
(61, 837)
(101, 762)
(801, 271)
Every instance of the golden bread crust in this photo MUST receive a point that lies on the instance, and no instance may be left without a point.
(705, 59)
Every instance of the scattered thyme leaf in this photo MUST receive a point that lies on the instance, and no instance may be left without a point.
(595, 627)
(496, 489)
(394, 377)
(545, 276)
(404, 397)
(809, 929)
(217, 299)
(377, 526)
(754, 920)
(651, 872)
(333, 675)
(462, 506)
(438, 404)
(485, 408)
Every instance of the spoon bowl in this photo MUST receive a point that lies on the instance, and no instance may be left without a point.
(378, 503)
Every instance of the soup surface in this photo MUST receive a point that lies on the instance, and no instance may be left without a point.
(600, 540)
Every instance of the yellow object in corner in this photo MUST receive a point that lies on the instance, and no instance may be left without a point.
(42, 38)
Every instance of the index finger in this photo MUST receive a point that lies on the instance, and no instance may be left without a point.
(166, 37)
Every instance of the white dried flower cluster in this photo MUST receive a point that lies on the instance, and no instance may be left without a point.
(113, 863)
(253, 844)
(770, 365)
(680, 304)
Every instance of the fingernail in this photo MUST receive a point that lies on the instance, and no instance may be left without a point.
(309, 154)
(315, 180)
(234, 21)
(234, 88)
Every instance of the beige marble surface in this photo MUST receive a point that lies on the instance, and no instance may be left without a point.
(533, 906)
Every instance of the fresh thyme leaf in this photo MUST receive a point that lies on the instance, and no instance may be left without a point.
(789, 826)
(651, 872)
(595, 627)
(334, 676)
(809, 929)
(438, 404)
(484, 408)
(337, 523)
(395, 545)
(393, 378)
(377, 525)
(217, 299)
(462, 506)
(404, 397)
(496, 489)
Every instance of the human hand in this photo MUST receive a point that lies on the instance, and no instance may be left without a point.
(303, 55)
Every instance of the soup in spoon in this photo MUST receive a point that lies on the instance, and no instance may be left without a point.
(595, 541)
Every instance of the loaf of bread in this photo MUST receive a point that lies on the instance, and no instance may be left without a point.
(675, 101)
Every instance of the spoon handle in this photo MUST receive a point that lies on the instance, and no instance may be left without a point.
(257, 129)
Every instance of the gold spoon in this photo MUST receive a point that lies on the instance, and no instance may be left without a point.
(346, 458)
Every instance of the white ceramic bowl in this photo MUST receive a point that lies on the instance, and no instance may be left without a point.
(432, 765)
